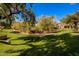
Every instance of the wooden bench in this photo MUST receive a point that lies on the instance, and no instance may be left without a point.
(4, 39)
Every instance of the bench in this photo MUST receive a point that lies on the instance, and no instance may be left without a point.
(4, 39)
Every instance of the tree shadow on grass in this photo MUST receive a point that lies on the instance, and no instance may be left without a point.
(4, 42)
(30, 38)
(27, 40)
(56, 45)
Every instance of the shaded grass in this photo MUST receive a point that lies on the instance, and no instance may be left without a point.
(63, 43)
(55, 45)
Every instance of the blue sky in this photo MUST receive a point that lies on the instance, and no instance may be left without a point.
(59, 10)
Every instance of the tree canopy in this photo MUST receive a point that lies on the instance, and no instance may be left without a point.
(72, 19)
(9, 10)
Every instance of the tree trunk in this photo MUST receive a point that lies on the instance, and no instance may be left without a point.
(75, 27)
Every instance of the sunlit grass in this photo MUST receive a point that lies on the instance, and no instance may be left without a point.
(65, 42)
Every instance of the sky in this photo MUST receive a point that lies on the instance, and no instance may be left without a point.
(59, 10)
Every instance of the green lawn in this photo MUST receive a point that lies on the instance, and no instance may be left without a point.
(62, 43)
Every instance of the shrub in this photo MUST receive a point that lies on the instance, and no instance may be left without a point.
(46, 24)
(16, 26)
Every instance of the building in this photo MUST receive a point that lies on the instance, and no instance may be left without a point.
(62, 26)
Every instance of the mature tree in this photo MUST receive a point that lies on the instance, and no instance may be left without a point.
(72, 19)
(29, 16)
(46, 23)
(7, 11)
(67, 20)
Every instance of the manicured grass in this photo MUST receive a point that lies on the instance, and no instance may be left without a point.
(62, 43)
